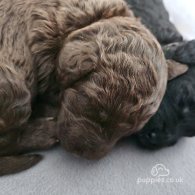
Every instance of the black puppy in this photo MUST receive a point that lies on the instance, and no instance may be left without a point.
(176, 115)
(156, 18)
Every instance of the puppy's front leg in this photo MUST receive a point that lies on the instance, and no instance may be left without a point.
(35, 135)
(39, 134)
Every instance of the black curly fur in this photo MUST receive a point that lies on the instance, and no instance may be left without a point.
(156, 18)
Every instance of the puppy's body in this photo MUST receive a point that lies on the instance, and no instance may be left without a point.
(175, 117)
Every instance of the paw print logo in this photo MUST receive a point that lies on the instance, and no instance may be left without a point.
(159, 170)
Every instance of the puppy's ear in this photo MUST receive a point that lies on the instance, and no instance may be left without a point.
(175, 69)
(77, 60)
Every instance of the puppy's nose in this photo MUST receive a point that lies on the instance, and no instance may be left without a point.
(151, 135)
(151, 138)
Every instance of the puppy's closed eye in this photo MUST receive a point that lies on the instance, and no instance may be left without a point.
(103, 116)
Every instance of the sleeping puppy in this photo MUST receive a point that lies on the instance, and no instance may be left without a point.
(175, 117)
(101, 66)
(156, 18)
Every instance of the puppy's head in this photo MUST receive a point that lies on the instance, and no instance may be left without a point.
(115, 76)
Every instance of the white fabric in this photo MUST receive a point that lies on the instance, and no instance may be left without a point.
(182, 14)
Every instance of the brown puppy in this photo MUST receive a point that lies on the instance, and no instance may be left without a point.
(118, 76)
(109, 69)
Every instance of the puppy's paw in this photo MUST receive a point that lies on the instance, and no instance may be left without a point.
(39, 134)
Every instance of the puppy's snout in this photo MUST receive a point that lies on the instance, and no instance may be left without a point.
(83, 142)
(86, 149)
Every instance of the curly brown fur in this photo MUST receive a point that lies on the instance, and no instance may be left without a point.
(106, 71)
(29, 46)
(15, 106)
